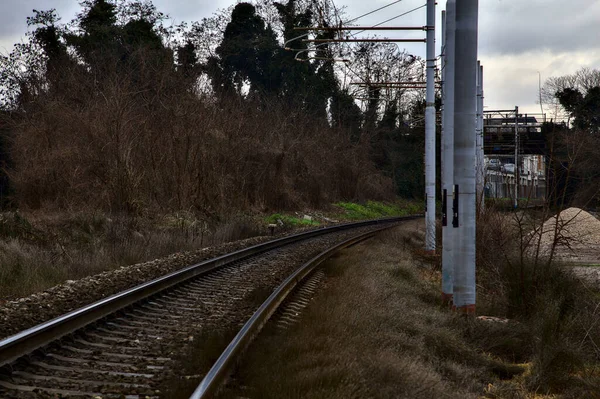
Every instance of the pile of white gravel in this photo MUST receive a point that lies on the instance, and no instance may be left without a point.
(572, 226)
(577, 237)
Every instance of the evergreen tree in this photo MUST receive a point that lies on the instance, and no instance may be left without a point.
(98, 36)
(346, 114)
(246, 55)
(187, 61)
(295, 76)
(584, 109)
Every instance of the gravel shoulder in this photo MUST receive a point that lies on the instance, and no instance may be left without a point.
(189, 334)
(17, 315)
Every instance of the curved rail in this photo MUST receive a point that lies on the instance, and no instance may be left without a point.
(20, 344)
(219, 371)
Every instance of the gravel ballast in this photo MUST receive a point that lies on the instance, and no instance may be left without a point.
(22, 313)
(228, 298)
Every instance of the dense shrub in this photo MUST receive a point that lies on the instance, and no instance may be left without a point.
(124, 151)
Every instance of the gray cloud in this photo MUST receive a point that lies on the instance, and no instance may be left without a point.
(517, 26)
(517, 38)
(506, 26)
(190, 10)
(13, 25)
(14, 13)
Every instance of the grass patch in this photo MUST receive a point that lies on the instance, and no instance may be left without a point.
(374, 209)
(40, 249)
(288, 220)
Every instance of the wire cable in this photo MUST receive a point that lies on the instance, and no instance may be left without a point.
(379, 24)
(372, 12)
(354, 34)
(391, 19)
(352, 20)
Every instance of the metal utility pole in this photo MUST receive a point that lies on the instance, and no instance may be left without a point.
(448, 235)
(465, 154)
(480, 157)
(430, 131)
(430, 119)
(540, 91)
(516, 171)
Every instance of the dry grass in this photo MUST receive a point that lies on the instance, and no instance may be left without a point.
(38, 251)
(556, 329)
(375, 331)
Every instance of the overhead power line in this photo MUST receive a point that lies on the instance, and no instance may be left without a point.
(348, 39)
(393, 18)
(372, 12)
(364, 40)
(363, 28)
(347, 22)
(323, 41)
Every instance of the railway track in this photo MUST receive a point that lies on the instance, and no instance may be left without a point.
(129, 344)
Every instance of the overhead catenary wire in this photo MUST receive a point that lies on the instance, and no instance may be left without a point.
(325, 42)
(364, 28)
(393, 18)
(374, 11)
(314, 48)
(381, 23)
(347, 22)
(363, 40)
(356, 33)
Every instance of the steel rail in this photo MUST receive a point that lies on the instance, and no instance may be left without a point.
(27, 341)
(209, 386)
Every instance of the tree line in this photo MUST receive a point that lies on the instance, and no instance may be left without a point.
(573, 136)
(120, 106)
(94, 105)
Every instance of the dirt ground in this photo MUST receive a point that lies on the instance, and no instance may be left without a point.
(375, 330)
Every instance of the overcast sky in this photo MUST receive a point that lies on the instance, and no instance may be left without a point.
(517, 38)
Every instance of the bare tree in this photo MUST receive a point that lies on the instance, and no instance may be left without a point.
(582, 80)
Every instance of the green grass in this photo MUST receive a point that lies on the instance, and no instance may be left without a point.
(373, 209)
(290, 220)
(354, 211)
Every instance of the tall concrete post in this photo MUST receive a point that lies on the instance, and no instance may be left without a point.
(465, 101)
(479, 143)
(448, 235)
(516, 170)
(430, 131)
